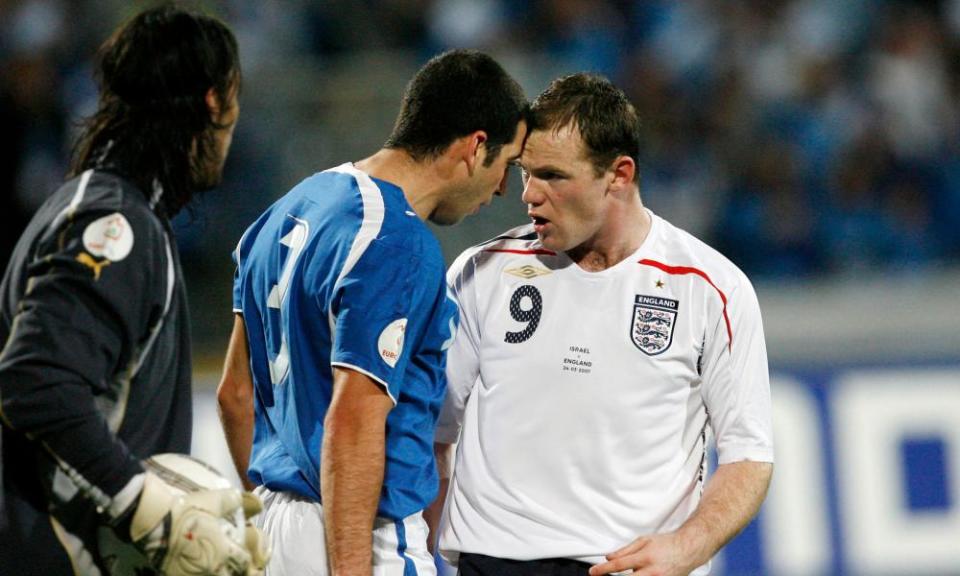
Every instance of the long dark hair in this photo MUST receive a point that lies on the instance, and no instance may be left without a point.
(152, 121)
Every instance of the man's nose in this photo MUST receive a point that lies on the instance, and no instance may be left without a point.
(531, 195)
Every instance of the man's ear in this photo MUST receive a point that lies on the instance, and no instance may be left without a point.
(474, 149)
(623, 169)
(213, 103)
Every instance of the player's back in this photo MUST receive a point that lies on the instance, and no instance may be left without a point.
(291, 254)
(298, 267)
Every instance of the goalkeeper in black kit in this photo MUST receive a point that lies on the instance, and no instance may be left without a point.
(95, 392)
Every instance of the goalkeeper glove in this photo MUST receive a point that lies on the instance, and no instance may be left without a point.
(190, 521)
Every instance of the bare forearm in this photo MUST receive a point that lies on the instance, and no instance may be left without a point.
(731, 499)
(351, 469)
(235, 401)
(444, 457)
(352, 464)
(237, 423)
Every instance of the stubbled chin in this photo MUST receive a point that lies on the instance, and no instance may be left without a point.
(441, 219)
(550, 241)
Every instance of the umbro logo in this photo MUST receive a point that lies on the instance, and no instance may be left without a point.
(528, 271)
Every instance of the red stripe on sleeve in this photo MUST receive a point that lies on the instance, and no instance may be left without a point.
(679, 270)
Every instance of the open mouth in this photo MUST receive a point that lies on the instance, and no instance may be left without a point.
(539, 222)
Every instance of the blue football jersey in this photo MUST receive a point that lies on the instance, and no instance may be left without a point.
(341, 272)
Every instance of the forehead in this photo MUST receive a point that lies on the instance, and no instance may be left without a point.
(552, 146)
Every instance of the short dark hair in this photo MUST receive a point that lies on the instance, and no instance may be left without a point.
(154, 73)
(607, 121)
(454, 94)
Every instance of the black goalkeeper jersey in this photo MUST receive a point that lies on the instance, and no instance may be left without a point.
(95, 370)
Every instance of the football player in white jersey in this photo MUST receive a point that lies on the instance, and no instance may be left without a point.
(597, 347)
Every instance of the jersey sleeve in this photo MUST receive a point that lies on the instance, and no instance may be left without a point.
(236, 255)
(239, 257)
(94, 287)
(736, 381)
(372, 306)
(463, 356)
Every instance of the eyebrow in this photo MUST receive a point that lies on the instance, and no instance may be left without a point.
(547, 168)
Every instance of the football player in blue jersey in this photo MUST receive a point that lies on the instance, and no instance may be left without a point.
(333, 378)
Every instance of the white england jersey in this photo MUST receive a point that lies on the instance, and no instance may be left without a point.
(581, 400)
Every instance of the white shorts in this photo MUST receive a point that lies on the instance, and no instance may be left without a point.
(293, 525)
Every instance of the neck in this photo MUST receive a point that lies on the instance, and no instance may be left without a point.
(419, 181)
(625, 229)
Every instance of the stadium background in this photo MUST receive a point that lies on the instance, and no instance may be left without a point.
(815, 142)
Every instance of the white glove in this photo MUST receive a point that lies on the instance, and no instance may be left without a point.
(190, 521)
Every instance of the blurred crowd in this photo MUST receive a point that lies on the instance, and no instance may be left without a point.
(803, 138)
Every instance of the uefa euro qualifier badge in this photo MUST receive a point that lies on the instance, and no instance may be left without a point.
(107, 239)
(390, 343)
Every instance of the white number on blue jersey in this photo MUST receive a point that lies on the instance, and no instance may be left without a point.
(296, 239)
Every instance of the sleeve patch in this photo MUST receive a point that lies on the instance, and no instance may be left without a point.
(110, 237)
(390, 343)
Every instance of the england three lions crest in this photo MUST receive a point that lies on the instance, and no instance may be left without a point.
(653, 321)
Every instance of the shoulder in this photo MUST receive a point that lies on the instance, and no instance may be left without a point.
(389, 229)
(679, 252)
(100, 227)
(335, 192)
(519, 241)
(100, 205)
(385, 211)
(339, 179)
(97, 190)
